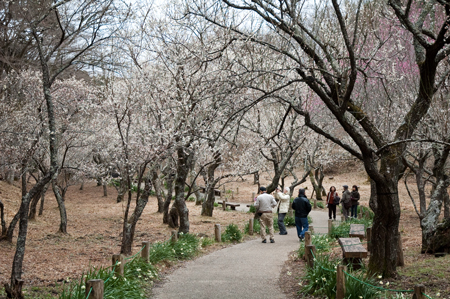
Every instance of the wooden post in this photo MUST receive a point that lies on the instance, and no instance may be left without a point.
(307, 238)
(217, 233)
(367, 214)
(419, 290)
(224, 204)
(250, 226)
(232, 194)
(369, 238)
(237, 190)
(145, 253)
(315, 203)
(120, 266)
(340, 282)
(361, 211)
(400, 259)
(330, 226)
(97, 289)
(310, 251)
(253, 196)
(174, 236)
(311, 229)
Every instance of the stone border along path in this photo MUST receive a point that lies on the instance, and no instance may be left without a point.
(246, 270)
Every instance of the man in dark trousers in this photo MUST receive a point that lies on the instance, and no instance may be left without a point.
(264, 205)
(302, 208)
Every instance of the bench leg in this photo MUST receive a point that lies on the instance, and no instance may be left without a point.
(233, 208)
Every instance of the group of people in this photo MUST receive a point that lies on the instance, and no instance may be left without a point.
(265, 203)
(348, 200)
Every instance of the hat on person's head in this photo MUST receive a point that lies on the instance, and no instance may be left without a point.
(262, 189)
(345, 186)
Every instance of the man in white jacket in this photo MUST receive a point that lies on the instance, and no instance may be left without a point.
(283, 208)
(264, 205)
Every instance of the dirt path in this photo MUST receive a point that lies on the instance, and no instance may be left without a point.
(245, 270)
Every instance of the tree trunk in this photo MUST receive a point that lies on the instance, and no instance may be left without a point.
(105, 189)
(173, 217)
(156, 182)
(33, 206)
(317, 190)
(121, 189)
(169, 182)
(130, 227)
(61, 207)
(2, 219)
(319, 176)
(446, 205)
(41, 207)
(430, 220)
(383, 258)
(210, 198)
(182, 172)
(256, 178)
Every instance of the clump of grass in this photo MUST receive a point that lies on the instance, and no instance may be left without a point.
(321, 205)
(322, 243)
(252, 209)
(216, 204)
(321, 278)
(232, 233)
(205, 242)
(289, 221)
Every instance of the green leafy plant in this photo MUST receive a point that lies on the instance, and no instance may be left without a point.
(321, 278)
(205, 242)
(357, 285)
(191, 198)
(322, 243)
(232, 233)
(216, 204)
(252, 209)
(289, 221)
(321, 205)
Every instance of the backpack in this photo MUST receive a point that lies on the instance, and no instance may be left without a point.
(336, 200)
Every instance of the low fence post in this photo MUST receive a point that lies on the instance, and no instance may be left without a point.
(330, 226)
(311, 229)
(340, 282)
(369, 238)
(119, 262)
(237, 190)
(232, 194)
(217, 234)
(310, 252)
(97, 286)
(174, 236)
(145, 253)
(315, 203)
(250, 226)
(307, 238)
(253, 196)
(419, 290)
(224, 204)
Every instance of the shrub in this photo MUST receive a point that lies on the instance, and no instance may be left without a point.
(216, 204)
(205, 242)
(289, 221)
(356, 286)
(321, 205)
(232, 233)
(322, 243)
(252, 209)
(191, 198)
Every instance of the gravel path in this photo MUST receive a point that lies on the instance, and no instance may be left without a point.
(246, 270)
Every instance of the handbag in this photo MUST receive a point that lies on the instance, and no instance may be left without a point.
(336, 200)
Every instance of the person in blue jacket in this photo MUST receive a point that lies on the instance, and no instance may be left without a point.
(302, 208)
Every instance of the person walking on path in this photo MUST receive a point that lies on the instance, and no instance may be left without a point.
(283, 208)
(354, 196)
(264, 205)
(346, 202)
(302, 208)
(332, 198)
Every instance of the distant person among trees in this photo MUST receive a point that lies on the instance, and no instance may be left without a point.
(264, 205)
(283, 208)
(302, 208)
(332, 199)
(355, 201)
(346, 202)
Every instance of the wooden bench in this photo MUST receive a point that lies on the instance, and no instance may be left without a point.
(217, 192)
(357, 231)
(233, 205)
(352, 251)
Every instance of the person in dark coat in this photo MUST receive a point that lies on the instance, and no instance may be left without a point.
(354, 197)
(302, 208)
(346, 202)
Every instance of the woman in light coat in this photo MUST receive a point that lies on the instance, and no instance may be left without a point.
(283, 207)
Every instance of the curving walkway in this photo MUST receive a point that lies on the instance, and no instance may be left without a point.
(246, 270)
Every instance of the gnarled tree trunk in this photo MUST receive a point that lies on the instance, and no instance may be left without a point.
(156, 182)
(61, 207)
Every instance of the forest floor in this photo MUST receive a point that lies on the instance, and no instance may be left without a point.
(95, 224)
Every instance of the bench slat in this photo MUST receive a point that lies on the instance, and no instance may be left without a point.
(357, 230)
(352, 248)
